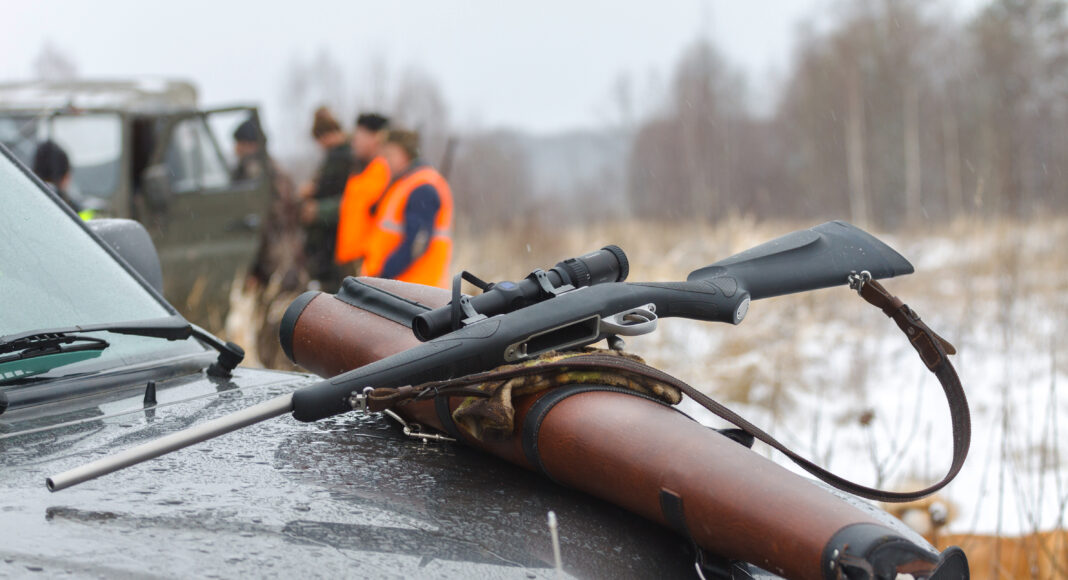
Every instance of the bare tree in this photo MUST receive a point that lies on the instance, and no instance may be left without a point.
(492, 179)
(306, 85)
(864, 80)
(913, 163)
(377, 79)
(1020, 84)
(420, 105)
(621, 109)
(683, 158)
(854, 126)
(54, 64)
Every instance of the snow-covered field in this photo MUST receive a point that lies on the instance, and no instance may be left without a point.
(835, 379)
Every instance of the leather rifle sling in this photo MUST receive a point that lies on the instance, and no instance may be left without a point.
(932, 349)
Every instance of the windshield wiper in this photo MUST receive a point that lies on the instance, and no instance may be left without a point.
(169, 328)
(56, 341)
(48, 343)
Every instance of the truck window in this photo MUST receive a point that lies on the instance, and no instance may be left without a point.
(192, 159)
(94, 144)
(92, 141)
(222, 123)
(18, 132)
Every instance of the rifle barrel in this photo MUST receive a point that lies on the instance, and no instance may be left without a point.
(184, 438)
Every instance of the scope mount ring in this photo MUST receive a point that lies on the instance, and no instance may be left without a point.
(550, 291)
(471, 315)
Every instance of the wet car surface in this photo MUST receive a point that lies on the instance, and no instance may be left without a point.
(349, 495)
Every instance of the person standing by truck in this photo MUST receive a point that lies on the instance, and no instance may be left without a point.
(280, 252)
(276, 275)
(412, 239)
(321, 201)
(364, 188)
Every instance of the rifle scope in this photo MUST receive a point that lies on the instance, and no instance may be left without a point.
(609, 264)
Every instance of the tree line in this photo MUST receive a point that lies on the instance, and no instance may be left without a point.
(891, 114)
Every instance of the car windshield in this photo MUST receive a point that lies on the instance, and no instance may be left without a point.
(92, 141)
(53, 274)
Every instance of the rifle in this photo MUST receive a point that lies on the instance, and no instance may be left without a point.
(628, 450)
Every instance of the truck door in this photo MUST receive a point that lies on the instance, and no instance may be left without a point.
(206, 223)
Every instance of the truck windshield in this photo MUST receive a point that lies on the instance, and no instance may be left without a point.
(92, 141)
(54, 274)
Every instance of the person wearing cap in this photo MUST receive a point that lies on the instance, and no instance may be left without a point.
(52, 165)
(280, 253)
(411, 238)
(321, 201)
(363, 189)
(248, 145)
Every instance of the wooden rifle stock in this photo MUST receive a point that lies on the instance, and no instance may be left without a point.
(636, 453)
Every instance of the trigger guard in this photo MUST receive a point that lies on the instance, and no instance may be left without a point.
(619, 325)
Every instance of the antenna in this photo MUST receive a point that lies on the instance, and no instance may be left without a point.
(558, 562)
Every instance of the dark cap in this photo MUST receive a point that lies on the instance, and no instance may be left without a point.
(372, 122)
(248, 132)
(50, 162)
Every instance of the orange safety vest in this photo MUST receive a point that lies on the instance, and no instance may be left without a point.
(432, 268)
(355, 222)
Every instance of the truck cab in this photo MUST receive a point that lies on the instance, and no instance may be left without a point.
(144, 150)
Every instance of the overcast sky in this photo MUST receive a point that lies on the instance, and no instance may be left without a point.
(541, 66)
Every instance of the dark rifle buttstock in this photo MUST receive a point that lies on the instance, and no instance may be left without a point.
(804, 260)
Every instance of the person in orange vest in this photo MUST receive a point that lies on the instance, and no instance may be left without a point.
(364, 188)
(411, 239)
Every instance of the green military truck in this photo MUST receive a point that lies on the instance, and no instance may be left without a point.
(144, 150)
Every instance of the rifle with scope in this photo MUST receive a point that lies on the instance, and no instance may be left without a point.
(629, 450)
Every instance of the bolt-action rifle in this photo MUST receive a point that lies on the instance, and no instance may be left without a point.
(630, 450)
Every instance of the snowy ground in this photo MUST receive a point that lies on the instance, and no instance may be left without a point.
(833, 378)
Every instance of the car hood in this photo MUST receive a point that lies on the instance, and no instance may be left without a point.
(348, 495)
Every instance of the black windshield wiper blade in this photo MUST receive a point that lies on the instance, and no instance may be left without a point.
(170, 328)
(39, 343)
(46, 344)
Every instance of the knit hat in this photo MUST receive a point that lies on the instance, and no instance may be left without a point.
(372, 122)
(50, 162)
(248, 132)
(407, 140)
(324, 123)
